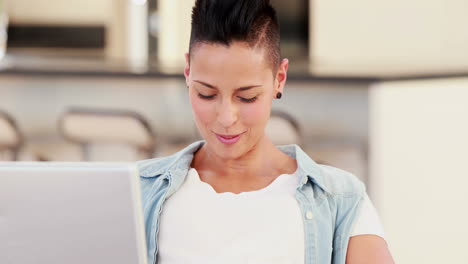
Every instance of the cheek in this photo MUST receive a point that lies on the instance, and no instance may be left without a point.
(256, 115)
(202, 111)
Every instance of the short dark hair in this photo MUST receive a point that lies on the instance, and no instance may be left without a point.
(225, 21)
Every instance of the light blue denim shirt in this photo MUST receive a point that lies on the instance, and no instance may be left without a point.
(329, 199)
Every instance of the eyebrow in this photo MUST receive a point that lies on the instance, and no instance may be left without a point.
(238, 89)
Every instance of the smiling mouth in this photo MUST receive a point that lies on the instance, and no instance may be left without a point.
(228, 139)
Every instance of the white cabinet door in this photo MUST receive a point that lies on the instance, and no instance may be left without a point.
(419, 173)
(366, 37)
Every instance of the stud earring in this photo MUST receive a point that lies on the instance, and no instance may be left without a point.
(278, 95)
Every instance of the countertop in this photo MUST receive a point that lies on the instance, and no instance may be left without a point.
(59, 63)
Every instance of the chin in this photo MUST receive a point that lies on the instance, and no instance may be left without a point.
(227, 152)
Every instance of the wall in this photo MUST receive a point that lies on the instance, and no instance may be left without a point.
(332, 116)
(326, 110)
(174, 31)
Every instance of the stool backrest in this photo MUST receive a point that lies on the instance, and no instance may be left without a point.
(90, 127)
(10, 137)
(283, 129)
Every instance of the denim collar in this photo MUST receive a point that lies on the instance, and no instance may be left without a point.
(180, 163)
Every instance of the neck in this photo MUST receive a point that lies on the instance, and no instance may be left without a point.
(262, 160)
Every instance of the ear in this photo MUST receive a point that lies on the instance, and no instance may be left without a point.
(281, 76)
(187, 68)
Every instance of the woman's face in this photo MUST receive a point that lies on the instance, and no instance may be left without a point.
(231, 90)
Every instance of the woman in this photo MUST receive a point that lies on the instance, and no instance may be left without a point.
(235, 197)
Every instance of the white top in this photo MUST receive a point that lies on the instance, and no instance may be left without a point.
(199, 225)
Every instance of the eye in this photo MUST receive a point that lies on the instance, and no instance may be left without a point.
(248, 100)
(206, 97)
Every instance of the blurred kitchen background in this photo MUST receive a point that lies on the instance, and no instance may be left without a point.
(378, 88)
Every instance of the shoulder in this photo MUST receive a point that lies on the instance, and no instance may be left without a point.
(339, 182)
(333, 181)
(155, 167)
(157, 172)
(152, 173)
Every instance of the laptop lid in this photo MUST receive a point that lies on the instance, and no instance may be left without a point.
(70, 213)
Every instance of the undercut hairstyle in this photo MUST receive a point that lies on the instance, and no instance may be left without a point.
(225, 21)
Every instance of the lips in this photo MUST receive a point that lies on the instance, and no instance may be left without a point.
(228, 139)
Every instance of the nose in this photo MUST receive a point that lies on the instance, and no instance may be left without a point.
(227, 114)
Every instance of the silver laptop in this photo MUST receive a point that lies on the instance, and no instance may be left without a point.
(70, 213)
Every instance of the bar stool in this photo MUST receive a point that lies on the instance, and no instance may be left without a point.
(10, 138)
(283, 129)
(108, 129)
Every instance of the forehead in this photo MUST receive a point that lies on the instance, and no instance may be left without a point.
(236, 62)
